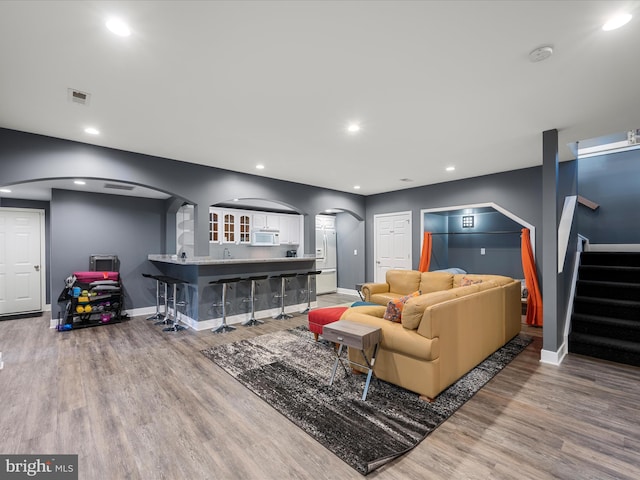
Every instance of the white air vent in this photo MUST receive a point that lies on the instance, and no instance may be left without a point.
(76, 96)
(115, 186)
(406, 179)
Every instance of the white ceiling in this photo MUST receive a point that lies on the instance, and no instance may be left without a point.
(233, 84)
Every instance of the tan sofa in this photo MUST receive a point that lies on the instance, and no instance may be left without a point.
(445, 332)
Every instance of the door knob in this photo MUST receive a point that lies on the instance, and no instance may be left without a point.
(37, 268)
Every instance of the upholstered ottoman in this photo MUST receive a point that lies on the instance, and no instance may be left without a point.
(322, 316)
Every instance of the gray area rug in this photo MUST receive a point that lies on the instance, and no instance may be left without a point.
(291, 372)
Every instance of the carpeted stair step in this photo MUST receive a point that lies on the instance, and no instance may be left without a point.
(621, 351)
(611, 290)
(609, 273)
(623, 259)
(606, 327)
(603, 307)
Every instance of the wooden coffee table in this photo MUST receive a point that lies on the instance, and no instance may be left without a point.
(354, 335)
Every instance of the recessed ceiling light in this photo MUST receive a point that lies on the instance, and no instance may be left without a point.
(92, 131)
(356, 187)
(260, 166)
(617, 22)
(79, 182)
(353, 128)
(450, 169)
(117, 26)
(5, 190)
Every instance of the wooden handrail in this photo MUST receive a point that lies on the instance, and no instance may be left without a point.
(588, 203)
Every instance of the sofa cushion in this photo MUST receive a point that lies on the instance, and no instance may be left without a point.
(415, 307)
(435, 281)
(394, 307)
(394, 337)
(384, 298)
(403, 281)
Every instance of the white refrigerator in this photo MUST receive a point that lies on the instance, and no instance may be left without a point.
(326, 261)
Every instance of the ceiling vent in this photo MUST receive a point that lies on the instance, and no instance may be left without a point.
(115, 186)
(76, 96)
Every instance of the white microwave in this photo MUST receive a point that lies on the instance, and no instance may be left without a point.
(265, 238)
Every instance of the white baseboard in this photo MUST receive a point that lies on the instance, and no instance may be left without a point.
(216, 322)
(348, 291)
(553, 358)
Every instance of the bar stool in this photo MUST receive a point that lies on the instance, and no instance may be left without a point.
(173, 322)
(284, 277)
(164, 318)
(225, 284)
(252, 320)
(157, 315)
(308, 290)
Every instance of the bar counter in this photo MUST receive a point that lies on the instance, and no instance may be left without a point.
(174, 259)
(196, 272)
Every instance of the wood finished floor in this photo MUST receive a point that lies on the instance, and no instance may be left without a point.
(136, 403)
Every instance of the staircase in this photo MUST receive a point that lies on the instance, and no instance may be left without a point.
(606, 309)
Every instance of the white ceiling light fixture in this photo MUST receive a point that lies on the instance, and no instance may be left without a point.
(5, 190)
(617, 22)
(450, 169)
(353, 128)
(260, 166)
(79, 182)
(356, 187)
(541, 53)
(92, 131)
(118, 27)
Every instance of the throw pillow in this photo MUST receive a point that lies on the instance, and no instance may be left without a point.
(394, 307)
(465, 282)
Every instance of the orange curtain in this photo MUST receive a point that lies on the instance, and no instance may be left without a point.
(534, 300)
(425, 257)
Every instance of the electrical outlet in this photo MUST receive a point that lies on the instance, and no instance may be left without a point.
(482, 251)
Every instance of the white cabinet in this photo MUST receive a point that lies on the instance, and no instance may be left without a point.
(290, 226)
(266, 220)
(229, 226)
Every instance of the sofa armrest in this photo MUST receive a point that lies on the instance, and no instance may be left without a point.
(369, 289)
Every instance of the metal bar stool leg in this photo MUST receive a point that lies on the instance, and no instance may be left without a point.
(157, 315)
(175, 325)
(252, 319)
(165, 316)
(282, 315)
(224, 327)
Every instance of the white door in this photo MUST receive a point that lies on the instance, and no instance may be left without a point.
(392, 243)
(20, 261)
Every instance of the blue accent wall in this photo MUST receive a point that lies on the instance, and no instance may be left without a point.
(613, 182)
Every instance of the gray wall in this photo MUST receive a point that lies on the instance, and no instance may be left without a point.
(519, 191)
(612, 181)
(350, 237)
(92, 223)
(27, 157)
